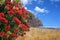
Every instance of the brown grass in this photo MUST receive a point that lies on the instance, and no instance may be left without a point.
(42, 34)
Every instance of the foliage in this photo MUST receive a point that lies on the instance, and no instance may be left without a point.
(12, 20)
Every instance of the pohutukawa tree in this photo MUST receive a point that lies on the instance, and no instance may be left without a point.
(13, 18)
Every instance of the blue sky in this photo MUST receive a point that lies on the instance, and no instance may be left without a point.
(48, 11)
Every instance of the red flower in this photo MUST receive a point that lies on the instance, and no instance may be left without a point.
(17, 20)
(3, 20)
(22, 35)
(24, 16)
(23, 9)
(2, 14)
(7, 28)
(8, 7)
(24, 27)
(6, 1)
(19, 12)
(3, 34)
(15, 8)
(14, 4)
(16, 29)
(10, 3)
(10, 12)
(14, 35)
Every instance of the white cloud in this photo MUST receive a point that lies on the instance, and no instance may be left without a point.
(41, 10)
(26, 8)
(55, 0)
(25, 2)
(31, 11)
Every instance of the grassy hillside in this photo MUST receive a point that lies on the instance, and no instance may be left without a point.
(42, 34)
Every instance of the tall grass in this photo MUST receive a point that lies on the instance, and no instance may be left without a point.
(42, 34)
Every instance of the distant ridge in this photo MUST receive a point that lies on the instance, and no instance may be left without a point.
(42, 27)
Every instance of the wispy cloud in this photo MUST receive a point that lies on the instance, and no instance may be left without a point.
(55, 0)
(40, 1)
(25, 2)
(32, 11)
(41, 10)
(29, 10)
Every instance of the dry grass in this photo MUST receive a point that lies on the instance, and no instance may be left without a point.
(42, 34)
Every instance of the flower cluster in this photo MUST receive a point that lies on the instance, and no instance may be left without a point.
(12, 20)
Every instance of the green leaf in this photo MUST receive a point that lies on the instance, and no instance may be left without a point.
(10, 38)
(16, 1)
(9, 32)
(12, 24)
(9, 17)
(1, 26)
(2, 7)
(5, 10)
(2, 1)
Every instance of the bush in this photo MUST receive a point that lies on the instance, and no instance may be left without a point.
(12, 20)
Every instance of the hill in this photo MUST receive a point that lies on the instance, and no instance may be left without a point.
(35, 22)
(42, 34)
